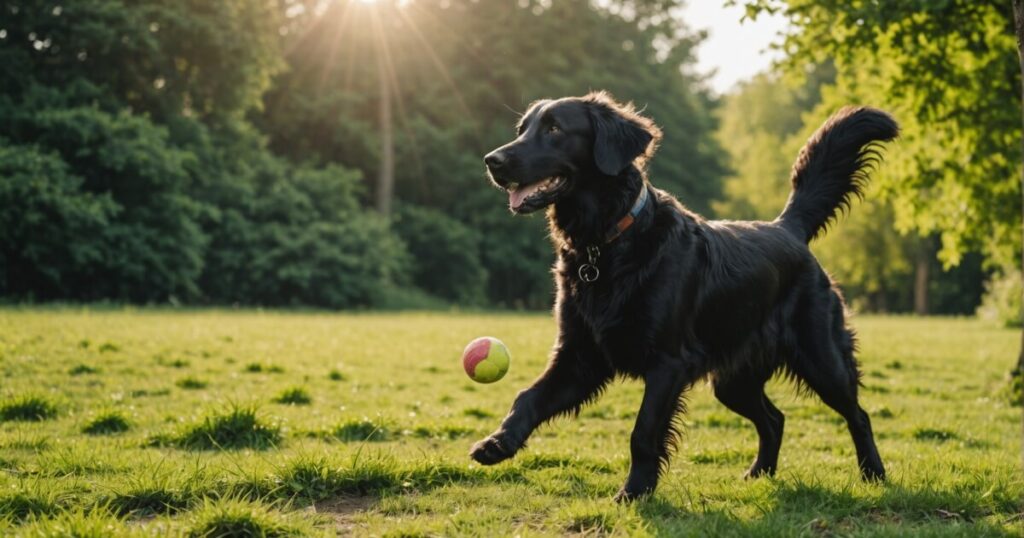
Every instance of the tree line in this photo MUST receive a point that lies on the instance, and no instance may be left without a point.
(231, 152)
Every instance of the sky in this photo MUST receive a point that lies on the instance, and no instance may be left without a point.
(735, 51)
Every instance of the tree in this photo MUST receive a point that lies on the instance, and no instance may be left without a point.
(945, 70)
(1018, 19)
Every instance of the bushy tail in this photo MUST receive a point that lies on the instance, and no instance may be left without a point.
(833, 166)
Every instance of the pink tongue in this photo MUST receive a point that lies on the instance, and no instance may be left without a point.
(516, 197)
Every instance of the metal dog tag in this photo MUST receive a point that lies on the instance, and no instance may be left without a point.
(589, 273)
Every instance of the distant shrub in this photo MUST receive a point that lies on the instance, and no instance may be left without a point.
(294, 396)
(446, 254)
(1002, 299)
(27, 409)
(107, 423)
(336, 375)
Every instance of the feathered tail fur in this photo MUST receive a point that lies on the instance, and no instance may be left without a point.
(833, 166)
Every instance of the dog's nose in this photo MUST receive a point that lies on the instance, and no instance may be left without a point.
(495, 159)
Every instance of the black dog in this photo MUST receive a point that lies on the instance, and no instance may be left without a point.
(648, 289)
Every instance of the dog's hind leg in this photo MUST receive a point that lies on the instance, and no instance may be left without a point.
(654, 433)
(825, 362)
(574, 376)
(743, 393)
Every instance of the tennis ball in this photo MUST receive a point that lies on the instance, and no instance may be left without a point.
(486, 359)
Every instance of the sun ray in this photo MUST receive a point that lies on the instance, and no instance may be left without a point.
(385, 61)
(332, 51)
(436, 60)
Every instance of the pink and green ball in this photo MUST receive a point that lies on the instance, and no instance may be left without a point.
(486, 359)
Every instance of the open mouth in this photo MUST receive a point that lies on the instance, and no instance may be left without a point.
(535, 194)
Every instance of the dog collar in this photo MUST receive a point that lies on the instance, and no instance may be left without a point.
(627, 221)
(588, 272)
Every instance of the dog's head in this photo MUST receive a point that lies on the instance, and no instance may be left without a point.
(568, 145)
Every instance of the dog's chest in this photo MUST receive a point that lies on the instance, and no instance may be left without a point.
(616, 309)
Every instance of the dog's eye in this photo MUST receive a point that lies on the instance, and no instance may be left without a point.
(554, 129)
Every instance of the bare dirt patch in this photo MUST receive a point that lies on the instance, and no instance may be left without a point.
(342, 510)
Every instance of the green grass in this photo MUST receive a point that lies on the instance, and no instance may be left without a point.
(294, 396)
(234, 427)
(27, 408)
(191, 383)
(204, 447)
(106, 423)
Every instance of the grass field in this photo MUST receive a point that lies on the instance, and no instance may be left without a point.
(217, 422)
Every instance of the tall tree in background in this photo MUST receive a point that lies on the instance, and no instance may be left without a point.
(1018, 19)
(386, 174)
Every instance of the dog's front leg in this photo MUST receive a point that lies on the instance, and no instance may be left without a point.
(575, 374)
(653, 433)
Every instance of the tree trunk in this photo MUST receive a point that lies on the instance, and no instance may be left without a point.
(386, 175)
(921, 266)
(1018, 20)
(1018, 25)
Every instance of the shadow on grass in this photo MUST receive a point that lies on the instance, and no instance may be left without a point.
(802, 509)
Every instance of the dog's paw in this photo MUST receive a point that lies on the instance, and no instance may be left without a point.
(493, 449)
(758, 471)
(637, 487)
(873, 474)
(625, 495)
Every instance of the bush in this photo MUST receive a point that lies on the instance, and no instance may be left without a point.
(296, 236)
(1002, 299)
(51, 230)
(150, 246)
(445, 254)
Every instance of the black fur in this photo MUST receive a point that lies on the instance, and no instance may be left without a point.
(681, 298)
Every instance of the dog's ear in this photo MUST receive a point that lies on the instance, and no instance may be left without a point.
(620, 134)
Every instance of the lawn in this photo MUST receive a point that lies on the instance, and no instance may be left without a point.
(141, 422)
